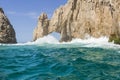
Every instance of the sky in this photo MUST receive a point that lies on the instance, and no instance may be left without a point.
(23, 14)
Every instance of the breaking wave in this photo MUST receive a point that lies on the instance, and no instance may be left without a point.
(89, 42)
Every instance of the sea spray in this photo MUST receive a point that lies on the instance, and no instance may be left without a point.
(53, 41)
(47, 39)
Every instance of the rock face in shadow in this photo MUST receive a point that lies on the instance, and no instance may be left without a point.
(7, 33)
(79, 18)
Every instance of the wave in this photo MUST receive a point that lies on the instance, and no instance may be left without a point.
(102, 42)
(89, 42)
(49, 39)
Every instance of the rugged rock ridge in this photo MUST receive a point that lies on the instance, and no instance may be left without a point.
(42, 27)
(79, 18)
(7, 33)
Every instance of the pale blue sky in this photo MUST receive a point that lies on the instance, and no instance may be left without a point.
(23, 14)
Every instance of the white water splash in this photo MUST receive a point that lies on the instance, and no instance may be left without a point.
(47, 39)
(89, 42)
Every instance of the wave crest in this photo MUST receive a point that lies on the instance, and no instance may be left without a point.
(89, 42)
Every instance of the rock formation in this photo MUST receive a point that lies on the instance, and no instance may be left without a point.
(42, 27)
(79, 18)
(7, 33)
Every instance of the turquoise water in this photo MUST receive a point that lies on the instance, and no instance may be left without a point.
(59, 62)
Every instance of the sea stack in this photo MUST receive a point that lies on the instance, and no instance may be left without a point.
(7, 33)
(42, 28)
(79, 18)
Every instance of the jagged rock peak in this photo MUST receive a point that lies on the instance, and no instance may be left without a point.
(43, 16)
(7, 33)
(42, 27)
(1, 10)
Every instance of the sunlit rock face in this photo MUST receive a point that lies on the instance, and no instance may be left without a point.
(78, 18)
(7, 33)
(42, 28)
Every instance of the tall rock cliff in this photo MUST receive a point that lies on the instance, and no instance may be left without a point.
(79, 18)
(7, 33)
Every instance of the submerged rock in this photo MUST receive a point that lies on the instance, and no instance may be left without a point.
(7, 33)
(77, 18)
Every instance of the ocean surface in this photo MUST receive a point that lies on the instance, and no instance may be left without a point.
(92, 59)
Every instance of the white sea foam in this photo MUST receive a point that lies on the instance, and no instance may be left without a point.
(89, 42)
(47, 39)
(95, 42)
